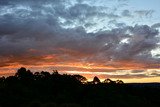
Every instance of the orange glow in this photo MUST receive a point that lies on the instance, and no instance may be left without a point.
(142, 80)
(110, 69)
(89, 70)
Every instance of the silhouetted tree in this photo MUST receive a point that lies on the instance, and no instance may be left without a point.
(109, 81)
(24, 74)
(96, 80)
(45, 74)
(119, 82)
(80, 78)
(55, 72)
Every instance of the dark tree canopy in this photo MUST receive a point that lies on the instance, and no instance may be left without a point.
(80, 78)
(22, 73)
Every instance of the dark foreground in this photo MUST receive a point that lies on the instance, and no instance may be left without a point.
(26, 89)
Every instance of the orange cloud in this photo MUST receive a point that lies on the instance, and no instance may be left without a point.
(113, 70)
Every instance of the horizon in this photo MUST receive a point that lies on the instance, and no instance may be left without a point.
(89, 79)
(117, 39)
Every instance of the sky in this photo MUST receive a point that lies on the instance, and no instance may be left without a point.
(117, 39)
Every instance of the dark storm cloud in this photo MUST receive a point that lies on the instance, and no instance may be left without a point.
(30, 31)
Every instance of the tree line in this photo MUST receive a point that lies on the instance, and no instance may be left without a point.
(44, 89)
(23, 74)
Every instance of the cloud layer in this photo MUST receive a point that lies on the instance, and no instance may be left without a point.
(72, 35)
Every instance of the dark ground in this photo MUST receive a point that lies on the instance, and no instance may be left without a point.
(26, 89)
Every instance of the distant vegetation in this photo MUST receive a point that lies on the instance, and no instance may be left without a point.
(44, 89)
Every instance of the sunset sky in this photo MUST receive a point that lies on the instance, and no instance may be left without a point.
(117, 39)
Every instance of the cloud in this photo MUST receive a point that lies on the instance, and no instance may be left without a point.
(157, 25)
(126, 13)
(137, 71)
(155, 74)
(144, 13)
(55, 32)
(104, 75)
(77, 45)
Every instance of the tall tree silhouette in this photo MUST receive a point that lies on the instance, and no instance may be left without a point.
(96, 80)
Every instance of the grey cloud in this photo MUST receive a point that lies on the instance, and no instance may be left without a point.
(135, 75)
(75, 14)
(76, 41)
(143, 39)
(141, 42)
(155, 74)
(137, 71)
(146, 13)
(126, 76)
(119, 25)
(157, 25)
(126, 13)
(41, 30)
